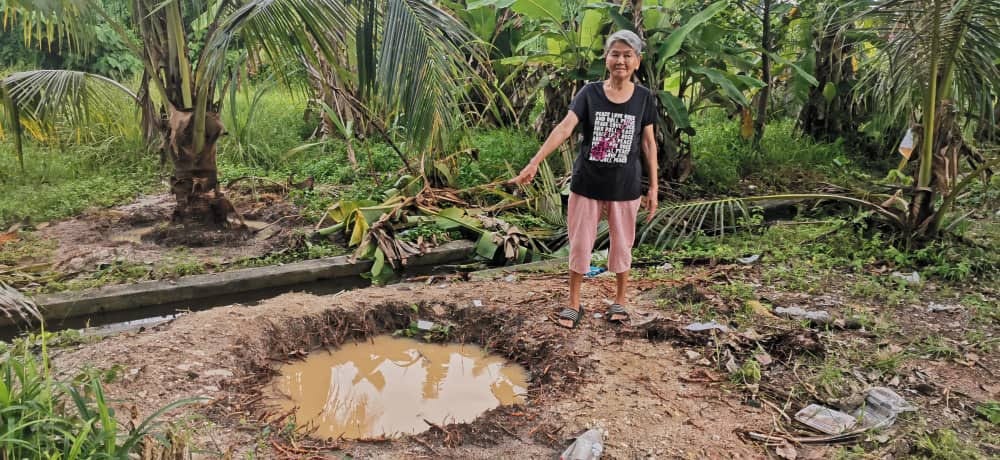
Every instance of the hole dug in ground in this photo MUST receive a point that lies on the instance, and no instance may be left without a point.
(337, 330)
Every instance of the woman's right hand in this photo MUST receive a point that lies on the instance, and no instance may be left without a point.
(526, 176)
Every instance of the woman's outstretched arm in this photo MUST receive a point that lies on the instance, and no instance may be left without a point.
(559, 134)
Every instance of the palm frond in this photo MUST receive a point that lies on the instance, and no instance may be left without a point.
(10, 120)
(675, 223)
(59, 24)
(47, 96)
(12, 303)
(909, 34)
(285, 30)
(423, 68)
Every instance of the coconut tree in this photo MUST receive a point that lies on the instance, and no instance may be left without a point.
(937, 59)
(933, 56)
(420, 51)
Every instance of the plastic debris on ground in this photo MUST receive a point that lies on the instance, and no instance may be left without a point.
(588, 446)
(748, 260)
(698, 327)
(425, 325)
(881, 408)
(816, 316)
(935, 307)
(825, 420)
(910, 278)
(594, 271)
(477, 303)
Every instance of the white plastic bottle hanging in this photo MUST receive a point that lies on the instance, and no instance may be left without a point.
(906, 145)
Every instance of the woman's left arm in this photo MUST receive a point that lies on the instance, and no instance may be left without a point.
(649, 151)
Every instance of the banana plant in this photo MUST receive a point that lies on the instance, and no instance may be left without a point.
(694, 61)
(832, 47)
(771, 34)
(415, 54)
(561, 41)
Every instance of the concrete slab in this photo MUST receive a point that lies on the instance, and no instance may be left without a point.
(544, 266)
(59, 306)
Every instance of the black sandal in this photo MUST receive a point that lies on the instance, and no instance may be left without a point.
(570, 314)
(616, 310)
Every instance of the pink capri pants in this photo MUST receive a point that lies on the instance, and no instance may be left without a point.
(583, 216)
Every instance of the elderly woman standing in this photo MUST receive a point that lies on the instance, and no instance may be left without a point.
(617, 117)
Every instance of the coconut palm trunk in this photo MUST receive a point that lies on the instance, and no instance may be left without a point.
(195, 181)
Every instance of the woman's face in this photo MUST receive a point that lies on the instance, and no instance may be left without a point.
(621, 60)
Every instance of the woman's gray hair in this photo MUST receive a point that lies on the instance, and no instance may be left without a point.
(625, 36)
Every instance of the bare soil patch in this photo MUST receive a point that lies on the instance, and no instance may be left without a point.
(598, 375)
(659, 389)
(139, 238)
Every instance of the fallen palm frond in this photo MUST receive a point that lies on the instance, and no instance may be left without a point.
(544, 196)
(372, 226)
(674, 223)
(12, 303)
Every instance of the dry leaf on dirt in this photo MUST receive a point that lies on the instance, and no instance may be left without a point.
(763, 358)
(760, 309)
(8, 237)
(787, 451)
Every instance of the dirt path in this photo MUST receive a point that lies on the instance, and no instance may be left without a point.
(660, 391)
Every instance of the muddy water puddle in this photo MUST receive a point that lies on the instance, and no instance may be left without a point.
(388, 386)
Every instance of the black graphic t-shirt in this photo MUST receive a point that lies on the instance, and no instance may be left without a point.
(609, 166)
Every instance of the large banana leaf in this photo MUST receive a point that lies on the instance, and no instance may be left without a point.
(673, 43)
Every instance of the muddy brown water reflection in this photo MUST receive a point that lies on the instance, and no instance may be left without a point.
(389, 385)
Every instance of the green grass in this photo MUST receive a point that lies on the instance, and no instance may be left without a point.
(800, 255)
(936, 347)
(722, 158)
(990, 411)
(829, 377)
(498, 150)
(946, 445)
(56, 185)
(27, 246)
(749, 373)
(886, 361)
(261, 133)
(70, 419)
